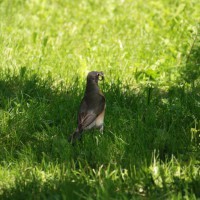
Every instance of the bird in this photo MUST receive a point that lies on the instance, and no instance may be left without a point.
(92, 107)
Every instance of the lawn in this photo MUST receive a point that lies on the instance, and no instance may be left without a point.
(149, 52)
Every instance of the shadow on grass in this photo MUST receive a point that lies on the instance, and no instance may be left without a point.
(37, 115)
(36, 190)
(34, 112)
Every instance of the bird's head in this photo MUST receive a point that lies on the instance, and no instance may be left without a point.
(95, 76)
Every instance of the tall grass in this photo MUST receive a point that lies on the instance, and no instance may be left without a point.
(149, 53)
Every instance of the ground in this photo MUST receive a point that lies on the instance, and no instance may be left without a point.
(149, 53)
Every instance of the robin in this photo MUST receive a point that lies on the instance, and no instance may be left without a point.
(92, 108)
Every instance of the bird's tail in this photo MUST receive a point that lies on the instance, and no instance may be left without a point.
(74, 136)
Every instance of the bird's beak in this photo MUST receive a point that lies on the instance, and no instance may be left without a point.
(101, 76)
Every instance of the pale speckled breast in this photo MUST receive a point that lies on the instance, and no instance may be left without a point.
(98, 122)
(100, 119)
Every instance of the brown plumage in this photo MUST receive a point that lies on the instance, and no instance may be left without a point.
(92, 107)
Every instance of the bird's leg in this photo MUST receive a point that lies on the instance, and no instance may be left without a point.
(101, 129)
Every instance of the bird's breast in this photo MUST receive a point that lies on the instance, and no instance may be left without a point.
(100, 118)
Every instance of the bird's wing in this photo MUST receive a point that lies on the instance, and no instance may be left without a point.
(90, 108)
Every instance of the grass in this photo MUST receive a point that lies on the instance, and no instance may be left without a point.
(149, 53)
